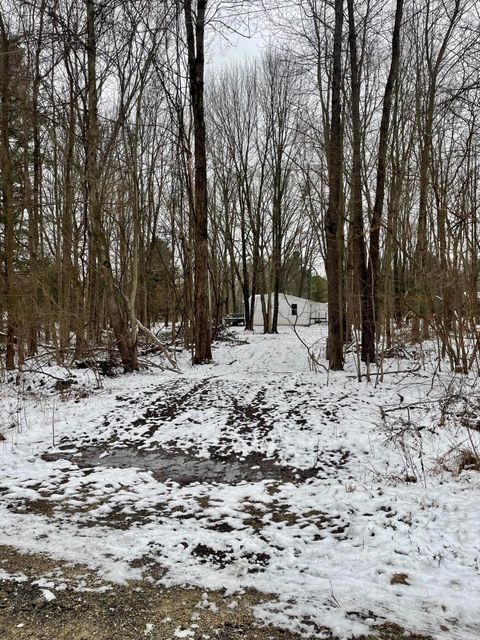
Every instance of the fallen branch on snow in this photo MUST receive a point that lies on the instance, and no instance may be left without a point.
(160, 344)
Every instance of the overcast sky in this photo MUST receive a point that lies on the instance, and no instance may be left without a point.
(233, 47)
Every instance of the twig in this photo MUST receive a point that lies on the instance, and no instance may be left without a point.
(414, 370)
(149, 363)
(45, 373)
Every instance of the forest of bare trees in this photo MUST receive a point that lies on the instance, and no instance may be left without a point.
(145, 185)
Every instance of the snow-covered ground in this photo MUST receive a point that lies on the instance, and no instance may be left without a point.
(347, 519)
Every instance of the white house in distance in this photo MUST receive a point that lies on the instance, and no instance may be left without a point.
(292, 310)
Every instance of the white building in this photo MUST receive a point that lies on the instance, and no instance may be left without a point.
(292, 310)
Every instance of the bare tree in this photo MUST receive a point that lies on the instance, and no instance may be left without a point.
(195, 30)
(333, 218)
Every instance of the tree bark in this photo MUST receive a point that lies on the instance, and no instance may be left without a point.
(196, 61)
(333, 218)
(359, 252)
(6, 184)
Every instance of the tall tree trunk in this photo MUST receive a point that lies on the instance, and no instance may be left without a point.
(333, 218)
(276, 251)
(6, 185)
(196, 61)
(359, 253)
(374, 286)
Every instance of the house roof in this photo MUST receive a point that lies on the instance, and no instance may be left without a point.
(291, 298)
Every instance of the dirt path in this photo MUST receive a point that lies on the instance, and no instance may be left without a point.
(83, 608)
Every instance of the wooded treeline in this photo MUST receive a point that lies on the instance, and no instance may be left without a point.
(143, 185)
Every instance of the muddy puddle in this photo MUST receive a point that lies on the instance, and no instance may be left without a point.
(184, 468)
